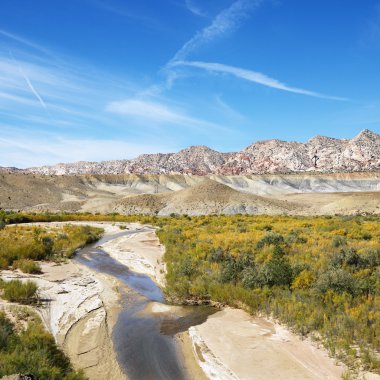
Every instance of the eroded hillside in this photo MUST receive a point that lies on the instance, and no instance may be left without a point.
(300, 194)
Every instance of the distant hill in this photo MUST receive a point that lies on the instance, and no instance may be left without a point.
(319, 154)
(206, 197)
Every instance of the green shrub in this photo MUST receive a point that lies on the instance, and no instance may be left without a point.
(33, 351)
(17, 291)
(6, 330)
(337, 280)
(276, 272)
(272, 238)
(250, 278)
(339, 241)
(27, 266)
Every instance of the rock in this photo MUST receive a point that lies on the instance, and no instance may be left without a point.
(322, 154)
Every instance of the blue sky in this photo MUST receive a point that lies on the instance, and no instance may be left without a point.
(111, 79)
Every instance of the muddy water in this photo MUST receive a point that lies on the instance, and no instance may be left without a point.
(143, 339)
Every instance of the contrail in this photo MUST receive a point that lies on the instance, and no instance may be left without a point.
(28, 82)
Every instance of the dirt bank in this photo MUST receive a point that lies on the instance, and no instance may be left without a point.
(79, 307)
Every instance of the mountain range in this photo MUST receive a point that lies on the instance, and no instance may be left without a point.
(319, 154)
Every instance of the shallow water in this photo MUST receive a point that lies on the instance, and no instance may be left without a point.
(143, 339)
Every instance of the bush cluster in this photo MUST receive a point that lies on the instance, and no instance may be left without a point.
(22, 246)
(33, 351)
(17, 291)
(318, 275)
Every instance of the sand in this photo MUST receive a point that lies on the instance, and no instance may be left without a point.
(231, 344)
(140, 252)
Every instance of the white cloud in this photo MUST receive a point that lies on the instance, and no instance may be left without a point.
(24, 41)
(194, 8)
(23, 150)
(227, 109)
(225, 22)
(252, 76)
(157, 112)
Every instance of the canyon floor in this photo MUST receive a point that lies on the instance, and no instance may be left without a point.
(292, 194)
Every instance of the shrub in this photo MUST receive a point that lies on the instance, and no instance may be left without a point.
(276, 271)
(337, 280)
(27, 266)
(186, 267)
(269, 239)
(339, 241)
(367, 236)
(6, 330)
(229, 272)
(304, 280)
(250, 278)
(17, 291)
(371, 258)
(216, 255)
(33, 351)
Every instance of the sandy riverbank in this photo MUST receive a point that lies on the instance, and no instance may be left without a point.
(231, 344)
(79, 309)
(140, 252)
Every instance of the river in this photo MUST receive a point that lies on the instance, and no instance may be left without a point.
(144, 339)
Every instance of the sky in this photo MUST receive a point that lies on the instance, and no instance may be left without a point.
(111, 79)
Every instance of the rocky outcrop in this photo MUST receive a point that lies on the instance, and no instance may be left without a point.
(320, 154)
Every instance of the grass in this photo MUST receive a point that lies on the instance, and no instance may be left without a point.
(18, 291)
(27, 266)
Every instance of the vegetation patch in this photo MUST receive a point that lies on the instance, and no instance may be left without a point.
(21, 247)
(18, 291)
(320, 276)
(31, 349)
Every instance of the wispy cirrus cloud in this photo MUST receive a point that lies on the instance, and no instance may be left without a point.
(158, 112)
(252, 76)
(73, 106)
(24, 41)
(23, 149)
(193, 8)
(223, 24)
